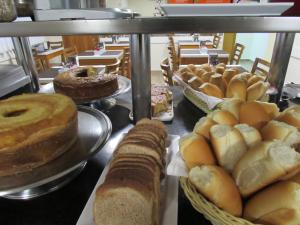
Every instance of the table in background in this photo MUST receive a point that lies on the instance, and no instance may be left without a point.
(49, 54)
(193, 44)
(64, 206)
(197, 56)
(116, 46)
(103, 57)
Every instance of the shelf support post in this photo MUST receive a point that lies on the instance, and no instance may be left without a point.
(280, 61)
(140, 76)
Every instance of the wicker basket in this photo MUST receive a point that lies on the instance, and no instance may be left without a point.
(211, 212)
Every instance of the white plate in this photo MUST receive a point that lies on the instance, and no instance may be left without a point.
(169, 192)
(234, 9)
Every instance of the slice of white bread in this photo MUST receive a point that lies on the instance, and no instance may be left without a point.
(216, 185)
(281, 131)
(264, 164)
(223, 117)
(232, 105)
(251, 136)
(278, 204)
(203, 126)
(228, 144)
(195, 151)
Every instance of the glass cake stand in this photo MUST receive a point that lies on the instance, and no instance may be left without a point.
(94, 129)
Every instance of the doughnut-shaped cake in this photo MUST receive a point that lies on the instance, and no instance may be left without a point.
(35, 129)
(85, 84)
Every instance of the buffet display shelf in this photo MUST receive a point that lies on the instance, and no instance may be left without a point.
(152, 25)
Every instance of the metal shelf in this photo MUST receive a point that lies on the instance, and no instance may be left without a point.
(153, 25)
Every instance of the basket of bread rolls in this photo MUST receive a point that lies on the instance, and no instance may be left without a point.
(243, 164)
(206, 86)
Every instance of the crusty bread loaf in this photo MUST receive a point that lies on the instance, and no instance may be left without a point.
(271, 108)
(206, 76)
(255, 78)
(237, 88)
(281, 131)
(251, 136)
(220, 69)
(244, 75)
(186, 76)
(216, 185)
(223, 117)
(229, 74)
(228, 144)
(206, 67)
(195, 83)
(256, 91)
(232, 105)
(192, 67)
(211, 90)
(199, 72)
(253, 114)
(202, 127)
(278, 204)
(217, 80)
(290, 116)
(264, 164)
(195, 151)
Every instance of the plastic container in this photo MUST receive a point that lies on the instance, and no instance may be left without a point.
(212, 1)
(8, 11)
(180, 1)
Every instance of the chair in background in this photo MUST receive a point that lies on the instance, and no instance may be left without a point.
(39, 65)
(166, 71)
(216, 41)
(261, 67)
(113, 68)
(173, 54)
(236, 54)
(69, 53)
(126, 63)
(54, 44)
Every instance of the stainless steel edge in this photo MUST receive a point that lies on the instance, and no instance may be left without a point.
(152, 25)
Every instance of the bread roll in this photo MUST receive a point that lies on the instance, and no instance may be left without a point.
(229, 74)
(257, 91)
(264, 164)
(206, 67)
(203, 126)
(281, 131)
(199, 72)
(253, 114)
(294, 108)
(244, 75)
(217, 80)
(221, 65)
(232, 105)
(216, 185)
(184, 69)
(237, 88)
(223, 117)
(255, 78)
(295, 178)
(211, 90)
(290, 116)
(195, 151)
(195, 83)
(192, 67)
(186, 76)
(206, 76)
(220, 69)
(271, 108)
(277, 205)
(251, 136)
(228, 144)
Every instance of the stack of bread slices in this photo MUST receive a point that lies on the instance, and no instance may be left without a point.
(130, 194)
(244, 158)
(221, 82)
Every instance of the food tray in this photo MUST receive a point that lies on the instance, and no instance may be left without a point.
(210, 211)
(234, 9)
(94, 129)
(169, 192)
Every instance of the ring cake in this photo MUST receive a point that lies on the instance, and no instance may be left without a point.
(35, 129)
(85, 84)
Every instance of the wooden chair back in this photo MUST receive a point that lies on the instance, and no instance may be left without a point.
(236, 54)
(261, 67)
(54, 44)
(216, 41)
(126, 63)
(70, 52)
(113, 68)
(166, 71)
(39, 66)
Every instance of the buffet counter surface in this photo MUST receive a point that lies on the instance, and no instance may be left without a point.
(65, 205)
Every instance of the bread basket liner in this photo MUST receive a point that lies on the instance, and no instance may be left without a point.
(210, 211)
(204, 102)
